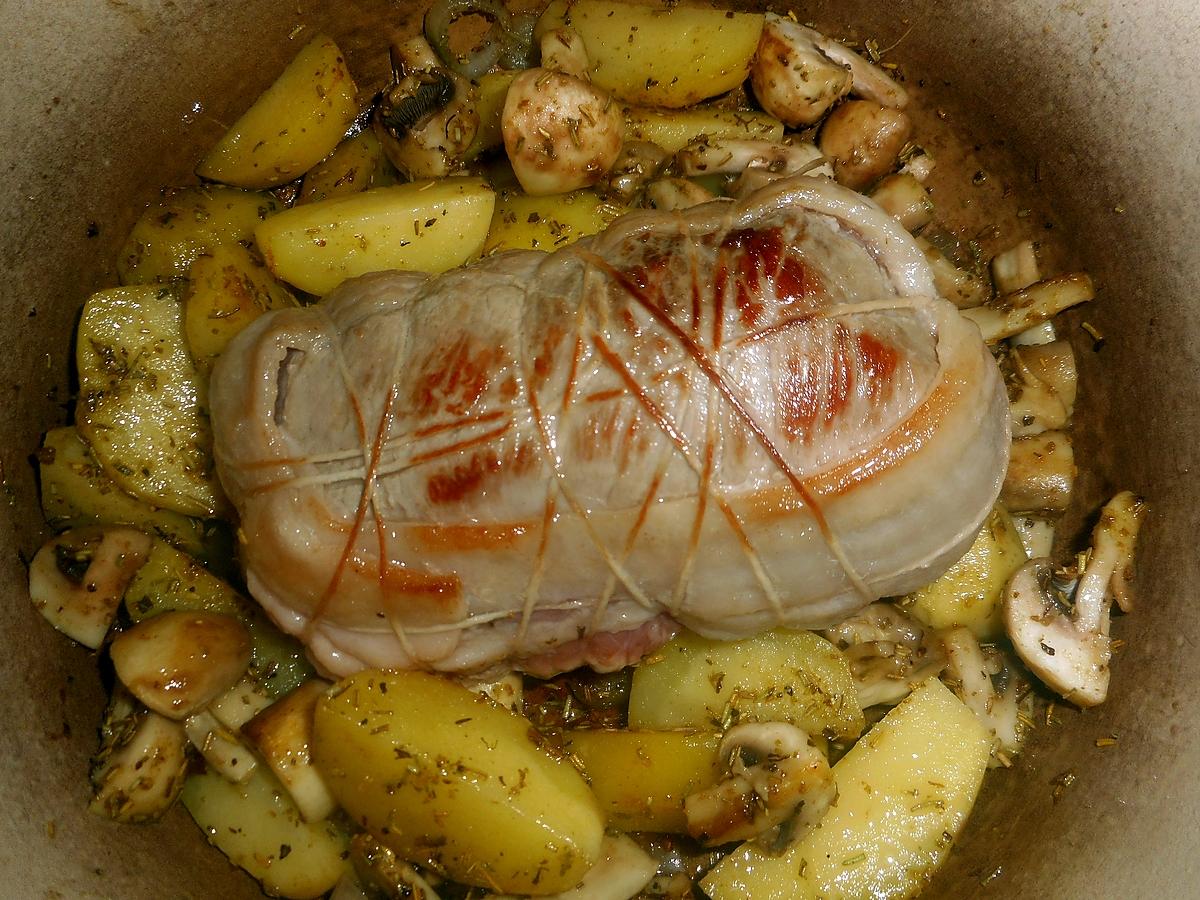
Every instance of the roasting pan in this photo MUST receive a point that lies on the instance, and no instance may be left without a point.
(104, 101)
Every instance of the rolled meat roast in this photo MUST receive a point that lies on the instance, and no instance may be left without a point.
(750, 414)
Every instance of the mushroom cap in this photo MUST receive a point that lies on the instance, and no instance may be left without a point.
(1071, 661)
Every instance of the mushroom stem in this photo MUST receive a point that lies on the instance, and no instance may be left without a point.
(970, 670)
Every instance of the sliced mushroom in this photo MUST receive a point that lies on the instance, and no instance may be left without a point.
(178, 662)
(732, 156)
(1034, 402)
(792, 78)
(1012, 314)
(637, 165)
(889, 653)
(216, 730)
(869, 81)
(426, 117)
(140, 767)
(1041, 471)
(904, 197)
(970, 671)
(961, 286)
(220, 746)
(1113, 542)
(1016, 268)
(668, 194)
(864, 140)
(77, 580)
(1070, 651)
(778, 787)
(282, 734)
(381, 873)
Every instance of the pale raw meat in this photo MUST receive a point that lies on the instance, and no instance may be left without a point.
(752, 414)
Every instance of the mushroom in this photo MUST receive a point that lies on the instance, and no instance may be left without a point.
(889, 653)
(864, 139)
(969, 672)
(1070, 651)
(426, 117)
(178, 662)
(1041, 471)
(732, 156)
(869, 81)
(778, 787)
(560, 131)
(140, 767)
(281, 735)
(1036, 403)
(563, 51)
(671, 193)
(792, 78)
(77, 580)
(216, 730)
(637, 165)
(379, 872)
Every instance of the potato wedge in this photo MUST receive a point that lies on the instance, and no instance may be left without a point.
(788, 676)
(426, 226)
(522, 222)
(448, 779)
(970, 593)
(493, 88)
(292, 126)
(76, 492)
(641, 777)
(661, 54)
(904, 793)
(674, 129)
(228, 287)
(259, 829)
(172, 580)
(357, 164)
(185, 223)
(142, 406)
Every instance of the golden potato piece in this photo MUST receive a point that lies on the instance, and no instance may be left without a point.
(970, 593)
(258, 827)
(357, 164)
(185, 223)
(292, 126)
(426, 226)
(522, 222)
(641, 777)
(448, 779)
(787, 676)
(228, 288)
(662, 54)
(76, 491)
(142, 405)
(674, 129)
